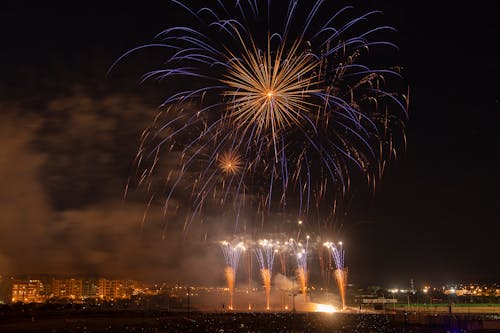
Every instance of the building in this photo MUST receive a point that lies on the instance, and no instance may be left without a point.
(108, 289)
(115, 289)
(67, 288)
(90, 288)
(28, 291)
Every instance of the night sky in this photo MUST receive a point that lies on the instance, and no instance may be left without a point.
(69, 133)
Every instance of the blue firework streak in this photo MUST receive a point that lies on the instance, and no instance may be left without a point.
(337, 253)
(300, 251)
(232, 253)
(265, 253)
(277, 107)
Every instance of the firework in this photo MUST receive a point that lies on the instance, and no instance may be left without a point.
(337, 252)
(232, 254)
(265, 253)
(230, 162)
(300, 251)
(282, 252)
(325, 263)
(341, 277)
(272, 106)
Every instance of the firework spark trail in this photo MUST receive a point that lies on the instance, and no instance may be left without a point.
(325, 261)
(266, 278)
(283, 251)
(265, 253)
(230, 278)
(341, 277)
(282, 257)
(232, 254)
(279, 107)
(300, 252)
(337, 253)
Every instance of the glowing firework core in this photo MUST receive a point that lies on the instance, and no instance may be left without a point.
(325, 308)
(272, 90)
(230, 162)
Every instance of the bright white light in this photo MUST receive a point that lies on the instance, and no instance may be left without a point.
(325, 308)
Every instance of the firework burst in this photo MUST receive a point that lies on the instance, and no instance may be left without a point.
(273, 107)
(230, 162)
(271, 91)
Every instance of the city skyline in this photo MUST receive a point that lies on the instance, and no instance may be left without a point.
(71, 288)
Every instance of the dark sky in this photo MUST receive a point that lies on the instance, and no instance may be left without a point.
(69, 134)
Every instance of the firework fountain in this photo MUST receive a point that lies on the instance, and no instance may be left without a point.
(265, 253)
(300, 252)
(337, 252)
(232, 254)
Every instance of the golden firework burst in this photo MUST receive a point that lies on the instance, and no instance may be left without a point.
(272, 90)
(230, 162)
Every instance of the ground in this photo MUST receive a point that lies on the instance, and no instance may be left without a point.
(156, 321)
